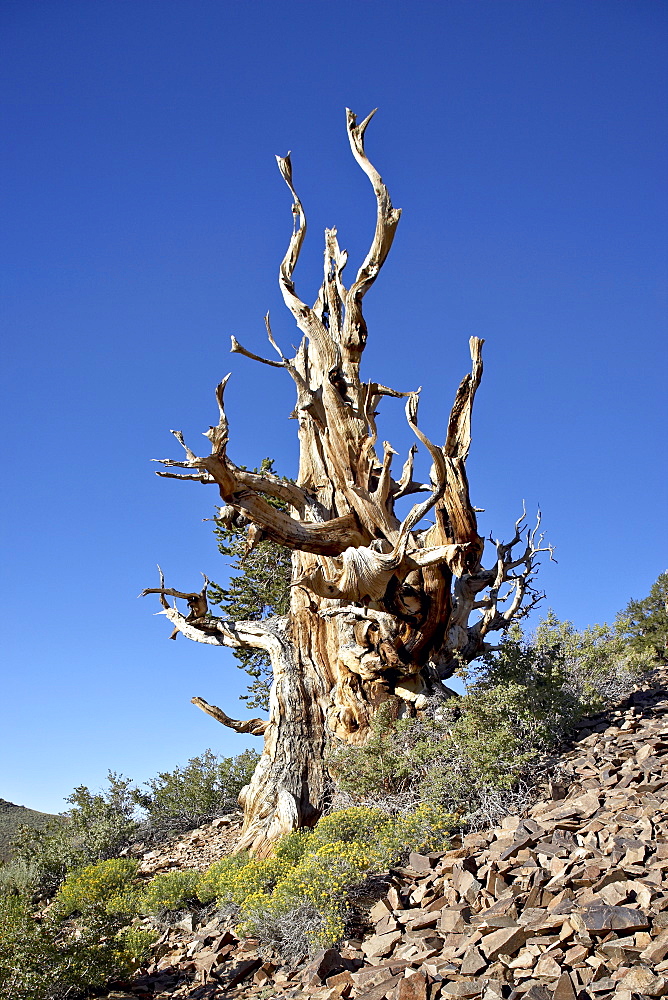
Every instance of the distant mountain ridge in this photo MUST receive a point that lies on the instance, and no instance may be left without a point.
(11, 818)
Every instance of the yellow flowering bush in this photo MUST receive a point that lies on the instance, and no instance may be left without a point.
(136, 942)
(293, 846)
(358, 823)
(306, 883)
(96, 885)
(298, 897)
(169, 891)
(265, 916)
(232, 880)
(319, 880)
(387, 838)
(321, 877)
(212, 882)
(425, 829)
(126, 903)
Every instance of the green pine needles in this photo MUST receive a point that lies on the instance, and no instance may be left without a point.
(259, 589)
(644, 624)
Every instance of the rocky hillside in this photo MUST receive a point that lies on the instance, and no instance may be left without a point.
(11, 818)
(568, 901)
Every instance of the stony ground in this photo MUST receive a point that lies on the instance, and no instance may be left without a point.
(568, 901)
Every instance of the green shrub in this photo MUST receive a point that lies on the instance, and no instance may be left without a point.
(18, 877)
(49, 961)
(83, 941)
(86, 939)
(566, 673)
(474, 744)
(96, 885)
(15, 922)
(188, 796)
(394, 761)
(104, 822)
(385, 765)
(170, 891)
(520, 701)
(44, 856)
(98, 826)
(485, 741)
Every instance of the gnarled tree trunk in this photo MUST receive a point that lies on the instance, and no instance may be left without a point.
(379, 607)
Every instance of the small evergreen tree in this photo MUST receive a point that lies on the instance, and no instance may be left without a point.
(644, 624)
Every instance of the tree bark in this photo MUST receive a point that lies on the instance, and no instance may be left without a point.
(379, 607)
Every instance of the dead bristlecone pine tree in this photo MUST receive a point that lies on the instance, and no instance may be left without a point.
(379, 607)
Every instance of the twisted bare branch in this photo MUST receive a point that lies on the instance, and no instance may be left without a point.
(458, 440)
(238, 489)
(519, 584)
(237, 348)
(253, 727)
(387, 219)
(196, 602)
(307, 321)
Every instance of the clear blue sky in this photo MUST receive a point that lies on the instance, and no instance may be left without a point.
(144, 221)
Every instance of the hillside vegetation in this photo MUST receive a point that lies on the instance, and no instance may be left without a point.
(467, 764)
(12, 818)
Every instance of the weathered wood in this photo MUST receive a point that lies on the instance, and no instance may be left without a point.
(379, 607)
(254, 727)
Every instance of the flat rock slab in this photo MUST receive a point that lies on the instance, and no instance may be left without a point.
(505, 941)
(463, 988)
(601, 919)
(241, 971)
(473, 962)
(381, 945)
(640, 980)
(564, 989)
(325, 963)
(413, 987)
